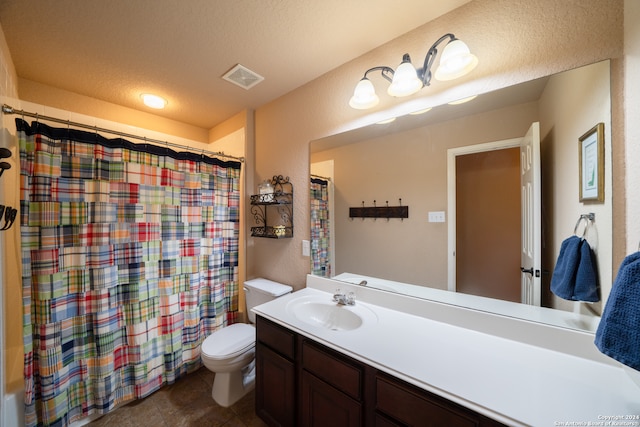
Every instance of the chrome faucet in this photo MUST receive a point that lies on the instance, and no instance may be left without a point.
(344, 299)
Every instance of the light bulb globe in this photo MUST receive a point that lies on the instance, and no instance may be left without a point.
(364, 95)
(405, 81)
(456, 61)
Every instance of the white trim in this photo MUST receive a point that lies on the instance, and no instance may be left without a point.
(452, 153)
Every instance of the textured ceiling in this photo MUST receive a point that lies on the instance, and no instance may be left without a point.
(115, 50)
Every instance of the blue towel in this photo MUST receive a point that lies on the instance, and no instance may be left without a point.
(564, 275)
(618, 334)
(587, 286)
(575, 277)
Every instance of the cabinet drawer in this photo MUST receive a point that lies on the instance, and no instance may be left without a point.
(275, 336)
(332, 368)
(419, 408)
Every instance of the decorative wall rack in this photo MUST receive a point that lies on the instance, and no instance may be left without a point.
(387, 212)
(273, 210)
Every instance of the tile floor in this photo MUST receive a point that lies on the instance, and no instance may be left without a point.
(186, 403)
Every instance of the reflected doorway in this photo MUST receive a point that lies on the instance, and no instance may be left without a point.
(488, 224)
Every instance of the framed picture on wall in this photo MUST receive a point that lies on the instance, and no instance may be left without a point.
(591, 158)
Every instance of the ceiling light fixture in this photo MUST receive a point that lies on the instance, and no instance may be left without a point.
(153, 101)
(456, 60)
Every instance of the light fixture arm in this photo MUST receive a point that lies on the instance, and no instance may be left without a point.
(386, 72)
(425, 72)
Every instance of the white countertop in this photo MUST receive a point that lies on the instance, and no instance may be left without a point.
(510, 381)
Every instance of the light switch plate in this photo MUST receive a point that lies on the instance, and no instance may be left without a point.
(436, 216)
(306, 248)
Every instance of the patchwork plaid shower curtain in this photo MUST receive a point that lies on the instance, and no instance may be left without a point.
(129, 260)
(320, 235)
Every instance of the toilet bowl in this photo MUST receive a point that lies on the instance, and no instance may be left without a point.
(230, 351)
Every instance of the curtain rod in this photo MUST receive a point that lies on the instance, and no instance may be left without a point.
(6, 109)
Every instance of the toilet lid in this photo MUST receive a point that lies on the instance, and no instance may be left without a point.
(229, 341)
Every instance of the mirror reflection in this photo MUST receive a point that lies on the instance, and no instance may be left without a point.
(429, 161)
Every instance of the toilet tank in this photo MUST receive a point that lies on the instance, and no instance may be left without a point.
(259, 291)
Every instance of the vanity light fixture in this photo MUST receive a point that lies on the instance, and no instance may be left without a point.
(153, 101)
(456, 60)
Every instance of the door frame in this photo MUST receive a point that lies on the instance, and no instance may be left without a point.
(452, 153)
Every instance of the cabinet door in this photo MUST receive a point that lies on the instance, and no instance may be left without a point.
(322, 405)
(275, 387)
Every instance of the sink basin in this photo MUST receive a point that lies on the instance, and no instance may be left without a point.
(323, 313)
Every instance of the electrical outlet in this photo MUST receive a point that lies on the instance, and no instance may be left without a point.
(436, 216)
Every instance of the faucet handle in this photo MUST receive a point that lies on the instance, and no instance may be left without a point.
(351, 298)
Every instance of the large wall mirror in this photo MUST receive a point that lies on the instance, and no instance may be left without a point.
(409, 162)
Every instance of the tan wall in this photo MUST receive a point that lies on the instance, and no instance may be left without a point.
(569, 107)
(516, 41)
(414, 250)
(8, 76)
(69, 101)
(10, 301)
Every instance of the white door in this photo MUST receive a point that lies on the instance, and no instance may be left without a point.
(530, 266)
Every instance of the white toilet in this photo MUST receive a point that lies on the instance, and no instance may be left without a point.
(229, 352)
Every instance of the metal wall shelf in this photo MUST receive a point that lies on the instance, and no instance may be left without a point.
(273, 212)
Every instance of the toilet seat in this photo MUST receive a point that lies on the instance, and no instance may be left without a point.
(229, 342)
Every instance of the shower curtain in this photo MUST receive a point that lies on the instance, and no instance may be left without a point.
(129, 260)
(320, 233)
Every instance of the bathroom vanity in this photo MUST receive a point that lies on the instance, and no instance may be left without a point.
(337, 390)
(396, 360)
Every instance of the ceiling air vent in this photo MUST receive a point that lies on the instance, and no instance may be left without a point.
(243, 77)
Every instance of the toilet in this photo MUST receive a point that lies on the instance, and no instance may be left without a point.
(230, 351)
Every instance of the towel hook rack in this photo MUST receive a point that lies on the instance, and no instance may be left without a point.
(588, 218)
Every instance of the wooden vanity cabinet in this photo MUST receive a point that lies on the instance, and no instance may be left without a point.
(301, 382)
(275, 374)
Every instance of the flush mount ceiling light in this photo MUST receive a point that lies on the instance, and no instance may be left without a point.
(153, 101)
(455, 61)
